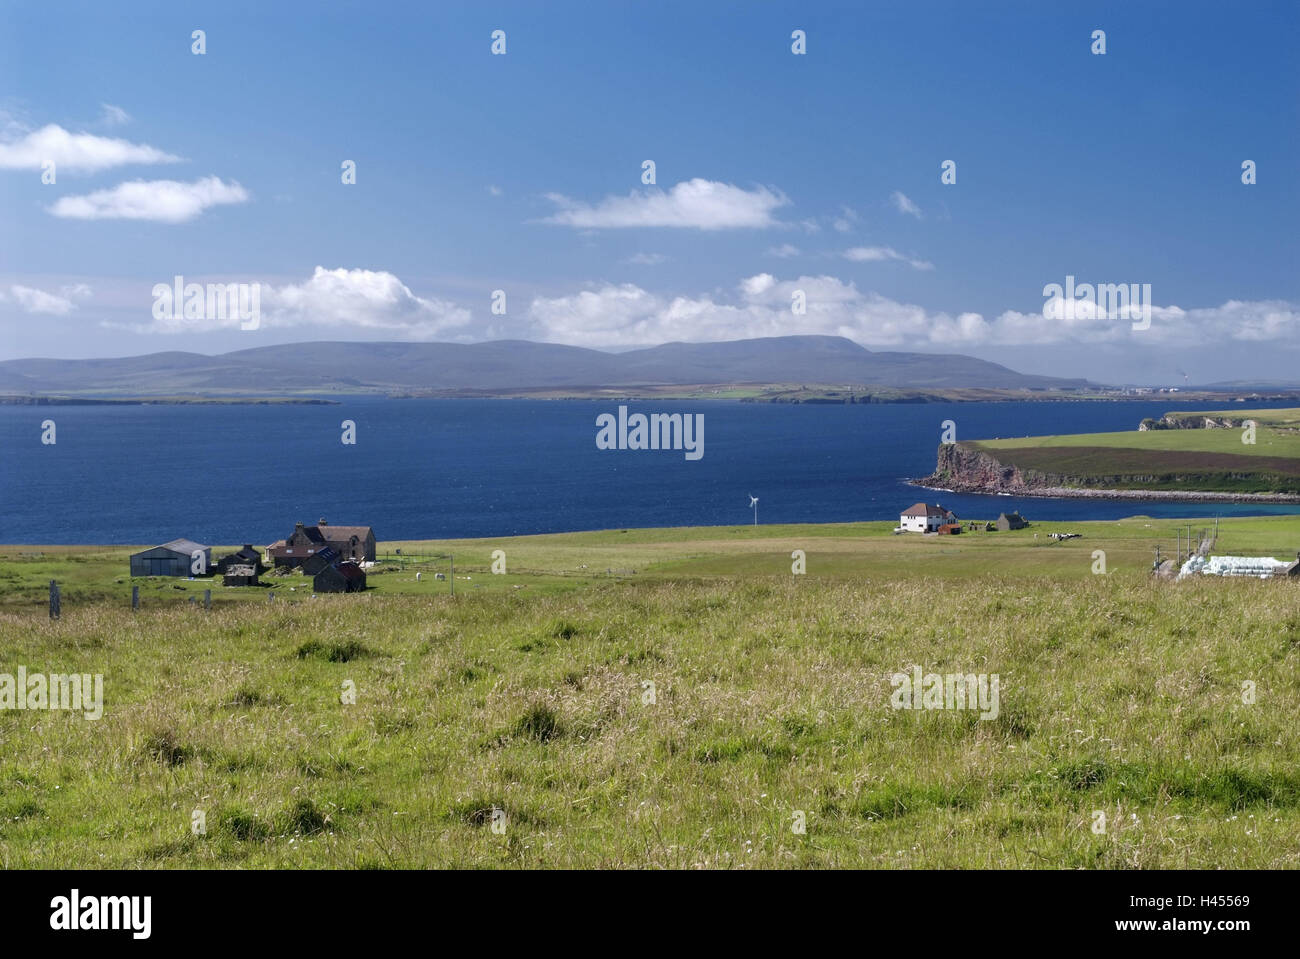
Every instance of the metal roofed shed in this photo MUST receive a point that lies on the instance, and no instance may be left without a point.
(175, 558)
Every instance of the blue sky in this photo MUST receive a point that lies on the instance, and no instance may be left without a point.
(775, 172)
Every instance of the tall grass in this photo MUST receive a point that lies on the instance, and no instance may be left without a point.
(771, 696)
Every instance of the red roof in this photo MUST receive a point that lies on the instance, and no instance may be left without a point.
(925, 509)
(350, 571)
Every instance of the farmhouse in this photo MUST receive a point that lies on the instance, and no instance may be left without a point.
(1013, 520)
(176, 558)
(924, 518)
(355, 543)
(244, 556)
(345, 577)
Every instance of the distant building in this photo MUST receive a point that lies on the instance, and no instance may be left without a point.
(346, 577)
(176, 558)
(355, 543)
(924, 518)
(313, 564)
(236, 575)
(244, 556)
(949, 529)
(1011, 521)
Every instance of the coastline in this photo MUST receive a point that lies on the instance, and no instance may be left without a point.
(1068, 492)
(196, 400)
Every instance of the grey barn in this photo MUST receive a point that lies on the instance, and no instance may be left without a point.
(171, 559)
(1008, 521)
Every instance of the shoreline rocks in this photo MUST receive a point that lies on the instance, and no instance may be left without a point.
(961, 469)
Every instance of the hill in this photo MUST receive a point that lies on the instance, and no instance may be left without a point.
(509, 365)
(1196, 455)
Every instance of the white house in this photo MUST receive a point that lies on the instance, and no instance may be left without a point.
(924, 518)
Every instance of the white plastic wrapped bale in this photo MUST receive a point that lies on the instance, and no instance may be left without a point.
(1259, 566)
(1194, 565)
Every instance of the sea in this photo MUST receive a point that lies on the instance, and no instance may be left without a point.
(449, 468)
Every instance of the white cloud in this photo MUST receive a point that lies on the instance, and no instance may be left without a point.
(628, 315)
(1258, 321)
(844, 222)
(164, 201)
(495, 190)
(874, 254)
(784, 251)
(646, 259)
(364, 299)
(904, 205)
(374, 301)
(113, 116)
(606, 316)
(76, 152)
(692, 204)
(32, 300)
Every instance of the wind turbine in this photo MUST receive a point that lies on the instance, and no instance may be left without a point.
(753, 504)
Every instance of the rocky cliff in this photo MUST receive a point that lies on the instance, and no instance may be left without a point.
(967, 469)
(964, 469)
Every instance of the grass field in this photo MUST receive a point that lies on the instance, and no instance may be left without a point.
(1285, 418)
(1120, 695)
(1167, 459)
(564, 561)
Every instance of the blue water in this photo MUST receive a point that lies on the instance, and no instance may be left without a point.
(453, 468)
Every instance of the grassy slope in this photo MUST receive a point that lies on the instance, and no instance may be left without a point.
(1118, 694)
(1204, 459)
(1289, 418)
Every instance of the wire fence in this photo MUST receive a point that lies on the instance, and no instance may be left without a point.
(405, 559)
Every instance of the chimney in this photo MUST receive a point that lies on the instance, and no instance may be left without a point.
(297, 526)
(321, 522)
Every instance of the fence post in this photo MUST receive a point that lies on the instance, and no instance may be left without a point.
(54, 600)
(135, 597)
(452, 578)
(207, 599)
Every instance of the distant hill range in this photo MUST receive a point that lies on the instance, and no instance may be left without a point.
(509, 365)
